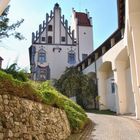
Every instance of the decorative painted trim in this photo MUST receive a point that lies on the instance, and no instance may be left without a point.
(54, 44)
(54, 27)
(60, 27)
(47, 17)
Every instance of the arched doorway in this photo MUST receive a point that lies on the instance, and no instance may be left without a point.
(106, 87)
(124, 84)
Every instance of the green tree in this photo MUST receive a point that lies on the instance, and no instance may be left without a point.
(75, 83)
(68, 82)
(7, 30)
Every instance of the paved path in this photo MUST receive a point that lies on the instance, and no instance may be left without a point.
(109, 127)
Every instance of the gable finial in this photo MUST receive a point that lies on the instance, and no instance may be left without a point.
(56, 5)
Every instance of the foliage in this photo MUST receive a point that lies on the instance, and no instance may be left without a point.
(75, 83)
(76, 115)
(44, 93)
(15, 87)
(69, 81)
(15, 71)
(7, 30)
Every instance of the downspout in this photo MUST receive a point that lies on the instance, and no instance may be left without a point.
(96, 88)
(78, 44)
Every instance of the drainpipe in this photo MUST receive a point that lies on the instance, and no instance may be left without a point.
(96, 88)
(78, 43)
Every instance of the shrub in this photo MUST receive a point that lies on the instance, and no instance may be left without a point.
(15, 71)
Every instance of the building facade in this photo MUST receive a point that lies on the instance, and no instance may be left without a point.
(116, 63)
(57, 46)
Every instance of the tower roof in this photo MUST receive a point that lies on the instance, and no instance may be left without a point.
(83, 19)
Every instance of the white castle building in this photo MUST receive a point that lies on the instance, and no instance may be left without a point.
(115, 64)
(57, 46)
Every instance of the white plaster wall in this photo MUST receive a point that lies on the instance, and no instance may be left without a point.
(85, 40)
(57, 26)
(57, 61)
(90, 68)
(132, 42)
(74, 24)
(130, 94)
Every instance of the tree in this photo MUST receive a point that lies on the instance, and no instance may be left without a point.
(68, 82)
(75, 83)
(7, 30)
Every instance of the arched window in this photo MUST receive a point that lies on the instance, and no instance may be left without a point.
(49, 27)
(42, 56)
(71, 57)
(50, 39)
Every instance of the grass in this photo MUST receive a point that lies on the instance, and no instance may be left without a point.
(105, 112)
(44, 93)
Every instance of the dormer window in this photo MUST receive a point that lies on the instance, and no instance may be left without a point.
(49, 27)
(49, 39)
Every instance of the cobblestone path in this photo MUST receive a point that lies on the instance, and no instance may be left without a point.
(109, 127)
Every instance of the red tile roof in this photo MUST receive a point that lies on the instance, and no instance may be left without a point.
(82, 19)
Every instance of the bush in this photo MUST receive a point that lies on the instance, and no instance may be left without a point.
(16, 72)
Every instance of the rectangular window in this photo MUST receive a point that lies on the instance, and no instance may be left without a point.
(63, 39)
(43, 38)
(112, 87)
(84, 56)
(49, 27)
(50, 39)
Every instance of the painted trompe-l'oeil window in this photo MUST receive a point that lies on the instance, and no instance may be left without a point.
(71, 57)
(42, 56)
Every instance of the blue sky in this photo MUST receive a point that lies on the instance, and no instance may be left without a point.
(103, 13)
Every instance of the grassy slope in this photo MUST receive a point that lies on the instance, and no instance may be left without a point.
(45, 93)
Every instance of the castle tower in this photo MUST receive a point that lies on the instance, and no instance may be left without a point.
(82, 25)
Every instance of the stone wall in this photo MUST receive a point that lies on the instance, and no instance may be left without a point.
(22, 119)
